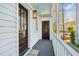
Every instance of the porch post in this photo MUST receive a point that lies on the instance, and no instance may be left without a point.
(57, 19)
(77, 23)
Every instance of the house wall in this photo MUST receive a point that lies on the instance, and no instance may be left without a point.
(40, 25)
(33, 32)
(8, 29)
(53, 9)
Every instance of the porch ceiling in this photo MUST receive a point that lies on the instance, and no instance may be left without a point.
(43, 9)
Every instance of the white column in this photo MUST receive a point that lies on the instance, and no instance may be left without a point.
(57, 21)
(51, 29)
(77, 23)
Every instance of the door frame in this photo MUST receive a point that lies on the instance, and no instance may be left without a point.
(27, 11)
(49, 28)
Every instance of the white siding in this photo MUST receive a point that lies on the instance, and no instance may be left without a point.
(33, 34)
(8, 29)
(40, 25)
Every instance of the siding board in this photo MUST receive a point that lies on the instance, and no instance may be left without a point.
(7, 23)
(8, 29)
(11, 7)
(6, 17)
(7, 11)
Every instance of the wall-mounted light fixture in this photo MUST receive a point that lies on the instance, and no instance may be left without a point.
(34, 14)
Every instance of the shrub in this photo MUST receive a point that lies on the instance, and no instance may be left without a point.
(72, 35)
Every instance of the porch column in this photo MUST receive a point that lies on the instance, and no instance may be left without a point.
(57, 19)
(77, 23)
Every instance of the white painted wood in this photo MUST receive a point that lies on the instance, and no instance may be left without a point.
(57, 9)
(77, 23)
(33, 34)
(7, 23)
(11, 6)
(8, 29)
(7, 12)
(7, 18)
(66, 49)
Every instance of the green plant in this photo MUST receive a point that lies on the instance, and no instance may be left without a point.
(54, 27)
(70, 28)
(77, 45)
(72, 35)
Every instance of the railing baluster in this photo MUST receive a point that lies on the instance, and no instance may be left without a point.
(61, 48)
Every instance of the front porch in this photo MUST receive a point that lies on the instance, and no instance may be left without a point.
(54, 47)
(45, 48)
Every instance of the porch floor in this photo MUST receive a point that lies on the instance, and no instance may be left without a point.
(45, 48)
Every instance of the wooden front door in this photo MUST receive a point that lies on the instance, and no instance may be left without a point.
(45, 29)
(23, 29)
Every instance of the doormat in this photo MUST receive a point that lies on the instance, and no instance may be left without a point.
(33, 52)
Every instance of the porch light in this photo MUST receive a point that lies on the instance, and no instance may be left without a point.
(34, 14)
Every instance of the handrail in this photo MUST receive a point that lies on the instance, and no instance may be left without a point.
(70, 50)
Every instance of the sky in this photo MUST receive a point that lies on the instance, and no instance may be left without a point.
(69, 11)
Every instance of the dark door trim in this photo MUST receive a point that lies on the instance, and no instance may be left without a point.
(23, 34)
(46, 35)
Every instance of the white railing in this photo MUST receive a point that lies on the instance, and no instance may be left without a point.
(61, 48)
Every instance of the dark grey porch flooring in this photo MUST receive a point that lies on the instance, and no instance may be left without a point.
(45, 48)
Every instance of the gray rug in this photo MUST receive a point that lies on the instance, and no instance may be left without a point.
(33, 52)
